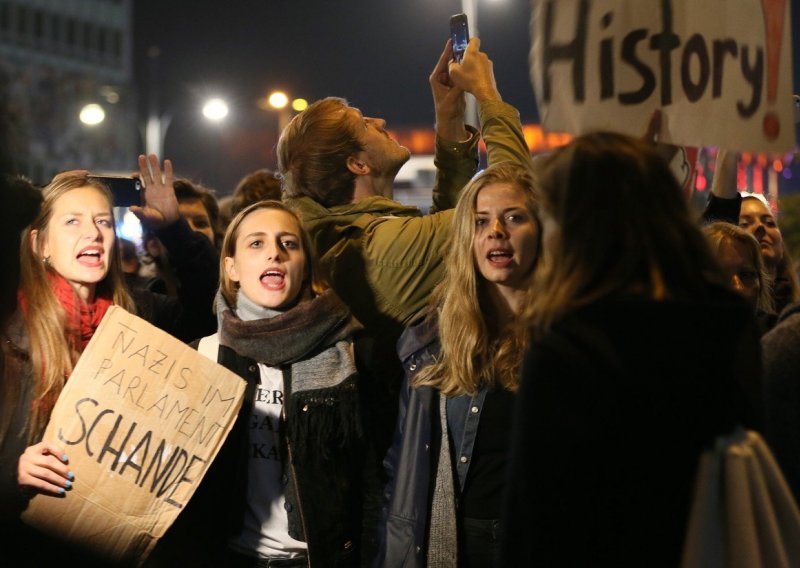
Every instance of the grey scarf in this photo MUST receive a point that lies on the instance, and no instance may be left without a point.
(282, 338)
(442, 536)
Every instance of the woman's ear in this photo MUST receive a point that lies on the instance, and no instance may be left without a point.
(34, 236)
(230, 269)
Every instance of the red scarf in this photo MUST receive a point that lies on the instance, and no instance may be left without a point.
(82, 317)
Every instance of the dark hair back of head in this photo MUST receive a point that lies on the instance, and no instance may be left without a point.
(254, 187)
(623, 227)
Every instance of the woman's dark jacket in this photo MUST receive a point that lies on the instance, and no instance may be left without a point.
(402, 529)
(616, 404)
(321, 479)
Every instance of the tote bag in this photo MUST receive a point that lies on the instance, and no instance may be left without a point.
(743, 514)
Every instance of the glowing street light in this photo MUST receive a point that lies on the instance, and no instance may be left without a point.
(92, 114)
(215, 109)
(278, 100)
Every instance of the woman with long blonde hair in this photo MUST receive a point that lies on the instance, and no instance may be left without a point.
(462, 366)
(70, 276)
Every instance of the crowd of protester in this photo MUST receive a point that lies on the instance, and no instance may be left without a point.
(525, 376)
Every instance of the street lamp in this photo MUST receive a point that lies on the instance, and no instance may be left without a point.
(215, 109)
(155, 132)
(92, 114)
(280, 101)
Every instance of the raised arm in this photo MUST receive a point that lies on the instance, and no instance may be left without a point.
(500, 124)
(724, 202)
(193, 257)
(456, 156)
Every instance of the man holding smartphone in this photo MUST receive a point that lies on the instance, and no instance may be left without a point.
(381, 257)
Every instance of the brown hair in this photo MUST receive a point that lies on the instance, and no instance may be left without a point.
(229, 288)
(624, 227)
(313, 151)
(187, 191)
(255, 186)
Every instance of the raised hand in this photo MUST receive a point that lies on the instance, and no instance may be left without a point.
(160, 204)
(448, 100)
(44, 467)
(475, 73)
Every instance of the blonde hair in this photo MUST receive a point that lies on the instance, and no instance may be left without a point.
(52, 356)
(229, 288)
(720, 233)
(470, 355)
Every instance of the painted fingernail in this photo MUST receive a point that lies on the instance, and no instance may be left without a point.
(61, 490)
(67, 484)
(65, 458)
(70, 475)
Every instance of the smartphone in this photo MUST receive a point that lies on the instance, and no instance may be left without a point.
(796, 99)
(126, 190)
(459, 31)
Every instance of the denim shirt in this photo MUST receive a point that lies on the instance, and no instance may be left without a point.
(463, 415)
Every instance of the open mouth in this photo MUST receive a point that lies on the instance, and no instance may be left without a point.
(500, 257)
(90, 256)
(273, 278)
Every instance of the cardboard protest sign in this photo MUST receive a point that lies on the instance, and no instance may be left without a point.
(719, 70)
(141, 417)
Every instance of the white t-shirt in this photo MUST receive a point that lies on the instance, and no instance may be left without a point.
(266, 527)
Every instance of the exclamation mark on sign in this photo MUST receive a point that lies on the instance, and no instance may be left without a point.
(773, 22)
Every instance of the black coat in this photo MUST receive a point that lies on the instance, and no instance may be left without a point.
(616, 404)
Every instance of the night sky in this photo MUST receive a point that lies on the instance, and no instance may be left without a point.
(376, 53)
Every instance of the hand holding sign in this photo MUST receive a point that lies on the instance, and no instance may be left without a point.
(141, 418)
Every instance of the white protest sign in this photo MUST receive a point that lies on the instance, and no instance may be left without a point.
(141, 418)
(720, 70)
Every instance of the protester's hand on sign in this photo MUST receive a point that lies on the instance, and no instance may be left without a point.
(475, 73)
(160, 204)
(682, 160)
(725, 183)
(44, 467)
(448, 100)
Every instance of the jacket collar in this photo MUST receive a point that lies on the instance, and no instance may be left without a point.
(422, 333)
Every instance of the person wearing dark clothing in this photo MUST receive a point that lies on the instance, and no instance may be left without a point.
(639, 357)
(781, 359)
